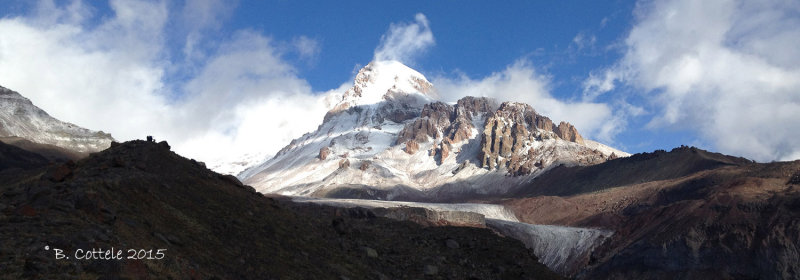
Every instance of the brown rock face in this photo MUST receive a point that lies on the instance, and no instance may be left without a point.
(440, 120)
(568, 132)
(434, 118)
(467, 108)
(544, 123)
(505, 135)
(412, 147)
(443, 151)
(324, 152)
(511, 128)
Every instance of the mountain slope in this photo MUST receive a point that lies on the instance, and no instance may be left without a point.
(139, 195)
(682, 214)
(638, 168)
(388, 138)
(20, 118)
(12, 157)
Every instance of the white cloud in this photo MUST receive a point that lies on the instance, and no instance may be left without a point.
(104, 78)
(240, 96)
(199, 17)
(728, 70)
(404, 41)
(307, 48)
(248, 100)
(520, 82)
(597, 84)
(584, 41)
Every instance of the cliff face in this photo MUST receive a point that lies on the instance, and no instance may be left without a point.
(510, 136)
(440, 121)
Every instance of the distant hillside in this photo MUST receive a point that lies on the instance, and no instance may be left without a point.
(19, 117)
(638, 168)
(684, 214)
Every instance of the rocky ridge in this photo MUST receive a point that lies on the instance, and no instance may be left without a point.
(19, 117)
(682, 214)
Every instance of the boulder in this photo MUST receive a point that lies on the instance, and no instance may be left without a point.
(411, 147)
(323, 153)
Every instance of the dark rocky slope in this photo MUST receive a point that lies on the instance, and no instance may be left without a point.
(50, 152)
(685, 214)
(13, 158)
(139, 195)
(638, 168)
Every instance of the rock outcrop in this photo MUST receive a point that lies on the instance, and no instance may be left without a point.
(412, 147)
(511, 132)
(440, 120)
(568, 132)
(324, 152)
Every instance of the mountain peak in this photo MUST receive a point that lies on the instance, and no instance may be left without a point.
(381, 81)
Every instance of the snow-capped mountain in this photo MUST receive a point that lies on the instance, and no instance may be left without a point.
(20, 118)
(387, 137)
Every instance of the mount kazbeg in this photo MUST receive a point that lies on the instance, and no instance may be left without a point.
(388, 137)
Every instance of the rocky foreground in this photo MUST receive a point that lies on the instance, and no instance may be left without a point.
(140, 195)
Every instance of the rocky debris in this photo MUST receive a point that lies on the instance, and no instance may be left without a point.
(430, 270)
(369, 252)
(323, 153)
(430, 217)
(364, 165)
(452, 244)
(460, 167)
(411, 147)
(61, 172)
(795, 179)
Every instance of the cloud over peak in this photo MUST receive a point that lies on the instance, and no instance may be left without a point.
(405, 41)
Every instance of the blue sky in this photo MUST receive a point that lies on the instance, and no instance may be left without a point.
(248, 75)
